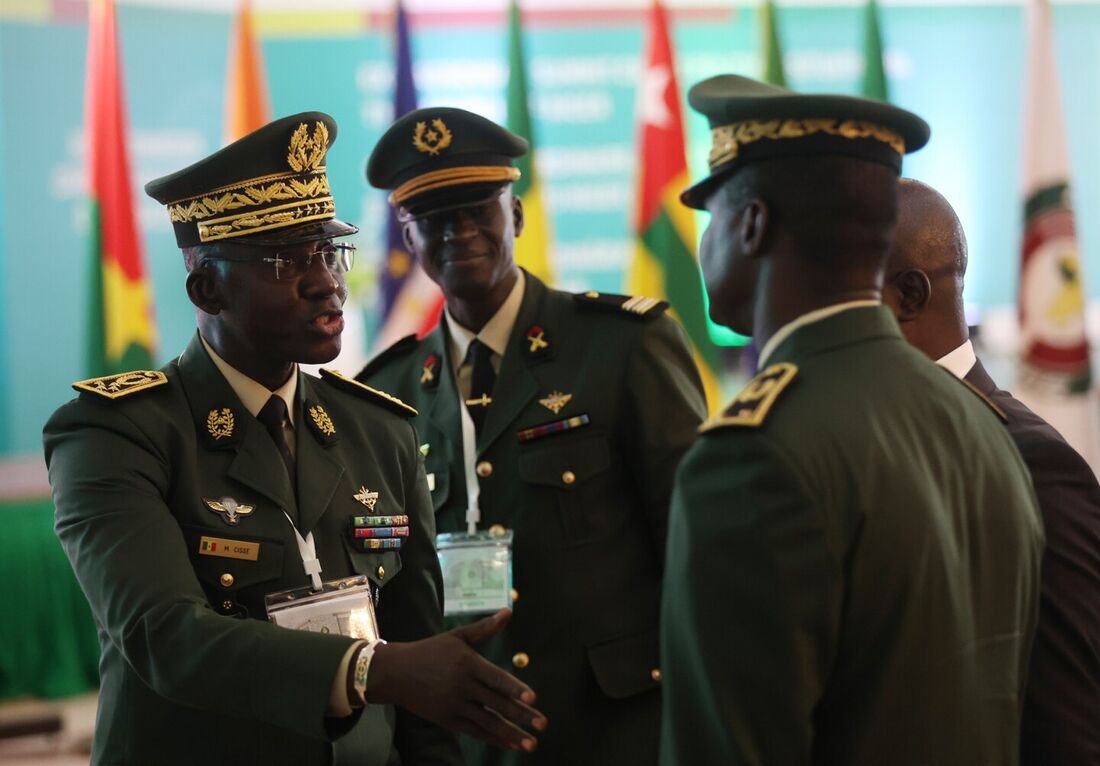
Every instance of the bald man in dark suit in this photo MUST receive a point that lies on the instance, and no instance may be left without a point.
(1061, 723)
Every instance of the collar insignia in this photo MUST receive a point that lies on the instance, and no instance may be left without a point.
(229, 509)
(429, 376)
(366, 497)
(555, 401)
(431, 140)
(536, 336)
(219, 424)
(320, 422)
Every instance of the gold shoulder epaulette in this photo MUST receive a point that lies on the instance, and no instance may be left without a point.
(989, 402)
(755, 401)
(123, 384)
(391, 403)
(635, 305)
(401, 347)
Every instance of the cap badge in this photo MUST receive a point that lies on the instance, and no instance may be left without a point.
(555, 401)
(536, 336)
(229, 509)
(322, 420)
(366, 497)
(434, 140)
(220, 424)
(308, 152)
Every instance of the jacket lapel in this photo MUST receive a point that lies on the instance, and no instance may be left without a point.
(222, 423)
(516, 383)
(319, 472)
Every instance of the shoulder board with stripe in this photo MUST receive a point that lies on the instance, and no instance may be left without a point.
(752, 405)
(634, 305)
(123, 384)
(401, 347)
(391, 403)
(989, 402)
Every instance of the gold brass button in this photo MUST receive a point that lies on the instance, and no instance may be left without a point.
(484, 469)
(568, 477)
(521, 660)
(591, 294)
(655, 674)
(227, 605)
(226, 580)
(381, 572)
(497, 530)
(515, 595)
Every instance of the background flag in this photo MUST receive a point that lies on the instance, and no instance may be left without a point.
(874, 72)
(1055, 375)
(411, 303)
(773, 51)
(121, 333)
(533, 247)
(246, 103)
(664, 264)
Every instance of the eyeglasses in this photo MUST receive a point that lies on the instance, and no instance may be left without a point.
(291, 264)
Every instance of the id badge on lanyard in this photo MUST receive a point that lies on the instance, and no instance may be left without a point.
(477, 565)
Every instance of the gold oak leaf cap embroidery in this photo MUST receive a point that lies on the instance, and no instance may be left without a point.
(752, 121)
(750, 407)
(269, 187)
(439, 158)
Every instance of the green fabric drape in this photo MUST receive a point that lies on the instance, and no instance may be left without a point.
(48, 643)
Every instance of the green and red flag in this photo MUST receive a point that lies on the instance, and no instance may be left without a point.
(533, 248)
(121, 331)
(774, 72)
(874, 72)
(664, 264)
(1055, 372)
(246, 100)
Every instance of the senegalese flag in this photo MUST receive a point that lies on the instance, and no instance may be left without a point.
(246, 102)
(121, 332)
(774, 72)
(874, 72)
(533, 247)
(664, 264)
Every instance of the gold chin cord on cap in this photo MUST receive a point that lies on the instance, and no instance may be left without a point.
(726, 140)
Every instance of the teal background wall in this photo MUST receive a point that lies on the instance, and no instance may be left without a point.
(959, 66)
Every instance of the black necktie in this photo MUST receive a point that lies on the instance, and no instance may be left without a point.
(273, 415)
(482, 379)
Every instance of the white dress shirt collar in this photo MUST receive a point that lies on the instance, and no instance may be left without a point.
(254, 395)
(495, 333)
(959, 361)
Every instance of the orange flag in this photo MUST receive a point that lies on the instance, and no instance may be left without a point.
(246, 103)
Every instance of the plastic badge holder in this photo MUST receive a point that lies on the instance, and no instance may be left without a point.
(344, 607)
(477, 571)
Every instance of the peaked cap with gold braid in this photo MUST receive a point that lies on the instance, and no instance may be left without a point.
(439, 158)
(268, 187)
(752, 121)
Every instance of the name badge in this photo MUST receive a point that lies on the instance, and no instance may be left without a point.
(230, 549)
(477, 571)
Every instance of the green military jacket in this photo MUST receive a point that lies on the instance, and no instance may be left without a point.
(191, 671)
(853, 565)
(588, 505)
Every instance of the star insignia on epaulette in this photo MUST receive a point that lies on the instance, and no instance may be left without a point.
(752, 405)
(123, 384)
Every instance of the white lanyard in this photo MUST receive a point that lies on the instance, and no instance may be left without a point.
(469, 461)
(308, 551)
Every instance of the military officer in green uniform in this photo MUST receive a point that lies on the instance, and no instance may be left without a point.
(188, 496)
(555, 417)
(854, 545)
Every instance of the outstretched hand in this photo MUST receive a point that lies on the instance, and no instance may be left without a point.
(442, 679)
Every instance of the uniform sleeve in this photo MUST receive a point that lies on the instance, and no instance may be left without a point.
(750, 608)
(110, 480)
(667, 404)
(412, 608)
(1063, 693)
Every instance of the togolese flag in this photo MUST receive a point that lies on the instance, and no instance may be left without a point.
(533, 248)
(121, 335)
(664, 262)
(246, 102)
